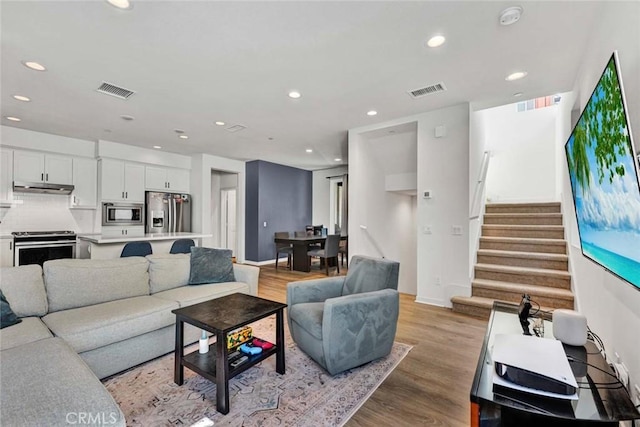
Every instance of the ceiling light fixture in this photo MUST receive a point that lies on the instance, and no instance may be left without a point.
(120, 4)
(337, 159)
(294, 94)
(13, 119)
(220, 123)
(510, 15)
(517, 94)
(516, 76)
(157, 147)
(309, 150)
(22, 98)
(183, 136)
(372, 113)
(127, 117)
(435, 41)
(34, 65)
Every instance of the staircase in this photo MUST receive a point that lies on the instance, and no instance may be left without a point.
(522, 250)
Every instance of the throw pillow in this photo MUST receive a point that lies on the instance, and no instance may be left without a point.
(7, 316)
(209, 265)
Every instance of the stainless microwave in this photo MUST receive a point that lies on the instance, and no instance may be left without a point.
(122, 214)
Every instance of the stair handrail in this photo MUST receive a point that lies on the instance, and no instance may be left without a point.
(477, 205)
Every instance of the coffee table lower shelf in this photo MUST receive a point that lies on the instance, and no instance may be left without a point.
(205, 364)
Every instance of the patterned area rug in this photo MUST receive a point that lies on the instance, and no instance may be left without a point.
(305, 396)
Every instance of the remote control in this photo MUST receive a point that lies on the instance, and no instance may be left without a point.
(233, 355)
(239, 362)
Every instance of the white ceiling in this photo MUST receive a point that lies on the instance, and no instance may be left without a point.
(193, 63)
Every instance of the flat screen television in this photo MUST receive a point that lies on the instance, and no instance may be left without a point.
(604, 179)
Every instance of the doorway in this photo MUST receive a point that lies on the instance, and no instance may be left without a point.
(228, 237)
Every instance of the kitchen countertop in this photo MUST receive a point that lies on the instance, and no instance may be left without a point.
(100, 239)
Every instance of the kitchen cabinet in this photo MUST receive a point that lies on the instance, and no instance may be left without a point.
(121, 181)
(6, 251)
(167, 179)
(6, 176)
(132, 231)
(85, 182)
(31, 166)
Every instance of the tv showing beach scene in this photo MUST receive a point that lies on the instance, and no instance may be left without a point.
(604, 179)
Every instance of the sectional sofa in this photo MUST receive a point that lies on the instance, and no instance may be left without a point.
(84, 320)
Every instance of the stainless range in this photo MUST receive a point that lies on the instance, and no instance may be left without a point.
(36, 247)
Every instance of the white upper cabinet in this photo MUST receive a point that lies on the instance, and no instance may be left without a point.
(167, 179)
(121, 181)
(30, 166)
(6, 176)
(85, 182)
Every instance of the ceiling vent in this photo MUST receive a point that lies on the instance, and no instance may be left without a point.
(236, 128)
(113, 90)
(428, 90)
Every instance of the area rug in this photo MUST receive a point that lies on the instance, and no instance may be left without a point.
(305, 396)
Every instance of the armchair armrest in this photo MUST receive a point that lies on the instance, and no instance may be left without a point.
(359, 328)
(316, 290)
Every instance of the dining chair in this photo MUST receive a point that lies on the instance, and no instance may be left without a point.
(136, 249)
(330, 251)
(343, 250)
(284, 248)
(300, 233)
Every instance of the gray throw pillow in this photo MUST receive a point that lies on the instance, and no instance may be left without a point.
(7, 316)
(210, 265)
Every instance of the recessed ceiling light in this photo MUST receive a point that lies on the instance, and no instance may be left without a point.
(13, 119)
(510, 15)
(517, 94)
(22, 98)
(127, 117)
(120, 4)
(270, 138)
(516, 76)
(157, 147)
(34, 65)
(436, 41)
(294, 94)
(309, 150)
(337, 159)
(183, 136)
(372, 113)
(220, 123)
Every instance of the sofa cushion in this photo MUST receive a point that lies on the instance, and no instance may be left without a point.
(308, 316)
(189, 295)
(29, 330)
(87, 328)
(209, 265)
(168, 271)
(24, 288)
(75, 283)
(45, 383)
(7, 316)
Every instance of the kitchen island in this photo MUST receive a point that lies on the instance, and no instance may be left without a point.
(98, 246)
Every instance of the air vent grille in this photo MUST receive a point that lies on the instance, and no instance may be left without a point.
(428, 90)
(235, 128)
(113, 90)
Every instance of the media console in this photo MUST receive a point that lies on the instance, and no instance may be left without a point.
(601, 398)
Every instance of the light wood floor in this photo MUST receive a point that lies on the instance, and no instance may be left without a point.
(431, 385)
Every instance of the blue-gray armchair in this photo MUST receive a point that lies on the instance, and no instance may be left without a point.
(346, 321)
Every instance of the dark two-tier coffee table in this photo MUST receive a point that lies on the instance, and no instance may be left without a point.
(220, 316)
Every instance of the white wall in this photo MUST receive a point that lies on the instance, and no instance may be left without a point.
(320, 213)
(522, 149)
(202, 166)
(477, 148)
(612, 307)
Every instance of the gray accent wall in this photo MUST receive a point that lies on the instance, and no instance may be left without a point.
(279, 195)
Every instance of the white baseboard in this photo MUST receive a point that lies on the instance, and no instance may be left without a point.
(430, 301)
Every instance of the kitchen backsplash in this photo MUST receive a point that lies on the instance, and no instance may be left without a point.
(45, 212)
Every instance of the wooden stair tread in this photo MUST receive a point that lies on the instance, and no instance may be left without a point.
(523, 214)
(486, 303)
(523, 270)
(527, 240)
(530, 255)
(524, 288)
(536, 204)
(544, 227)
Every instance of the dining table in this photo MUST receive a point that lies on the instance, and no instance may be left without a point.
(301, 245)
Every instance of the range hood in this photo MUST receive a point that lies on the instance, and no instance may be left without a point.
(42, 188)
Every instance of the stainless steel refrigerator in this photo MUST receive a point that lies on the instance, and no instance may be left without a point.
(167, 212)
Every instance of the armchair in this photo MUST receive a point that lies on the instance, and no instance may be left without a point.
(346, 321)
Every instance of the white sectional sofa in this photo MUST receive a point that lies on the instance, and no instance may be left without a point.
(84, 320)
